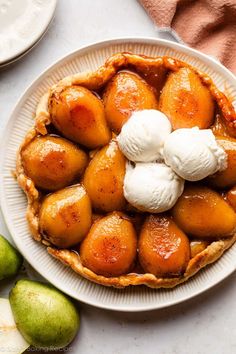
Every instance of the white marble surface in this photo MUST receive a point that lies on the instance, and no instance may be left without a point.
(202, 325)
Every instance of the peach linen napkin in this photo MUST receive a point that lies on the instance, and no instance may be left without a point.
(207, 25)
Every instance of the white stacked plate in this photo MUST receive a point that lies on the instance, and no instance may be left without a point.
(22, 24)
(13, 200)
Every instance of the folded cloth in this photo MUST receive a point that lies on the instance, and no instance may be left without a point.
(207, 25)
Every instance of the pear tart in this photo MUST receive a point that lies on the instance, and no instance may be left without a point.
(72, 171)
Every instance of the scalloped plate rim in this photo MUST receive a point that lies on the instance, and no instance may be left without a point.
(4, 136)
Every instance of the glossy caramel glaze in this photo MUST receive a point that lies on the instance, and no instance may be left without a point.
(227, 177)
(110, 247)
(66, 216)
(202, 212)
(221, 128)
(231, 197)
(79, 115)
(104, 178)
(154, 70)
(99, 79)
(125, 93)
(53, 162)
(154, 76)
(197, 246)
(163, 248)
(186, 101)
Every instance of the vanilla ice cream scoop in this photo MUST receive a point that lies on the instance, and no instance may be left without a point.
(142, 136)
(152, 187)
(193, 153)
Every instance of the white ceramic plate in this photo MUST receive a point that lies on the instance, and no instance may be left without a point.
(22, 25)
(13, 200)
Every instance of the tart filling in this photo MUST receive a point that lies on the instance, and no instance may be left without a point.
(130, 171)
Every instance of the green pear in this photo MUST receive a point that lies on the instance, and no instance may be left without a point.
(11, 341)
(10, 259)
(45, 317)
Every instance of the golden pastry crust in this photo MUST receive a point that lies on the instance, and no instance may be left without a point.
(95, 81)
(209, 255)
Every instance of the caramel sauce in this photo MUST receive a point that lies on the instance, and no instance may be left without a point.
(155, 72)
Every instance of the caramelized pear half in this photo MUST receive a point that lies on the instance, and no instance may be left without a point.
(126, 92)
(53, 162)
(110, 247)
(79, 115)
(203, 213)
(104, 178)
(163, 248)
(231, 197)
(186, 101)
(65, 216)
(227, 177)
